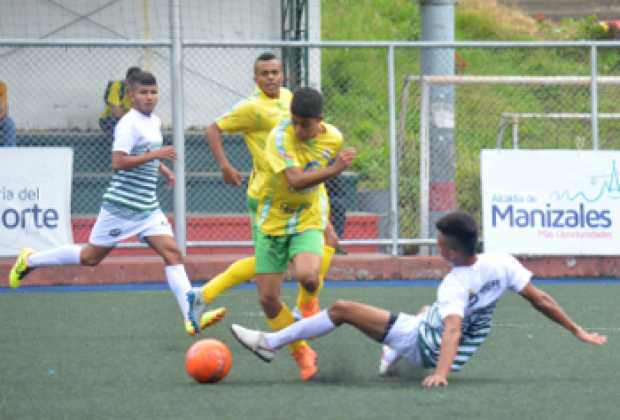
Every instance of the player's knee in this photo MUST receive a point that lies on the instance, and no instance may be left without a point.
(89, 260)
(309, 281)
(338, 311)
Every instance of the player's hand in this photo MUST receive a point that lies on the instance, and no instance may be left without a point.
(232, 176)
(166, 152)
(170, 179)
(434, 380)
(345, 158)
(592, 338)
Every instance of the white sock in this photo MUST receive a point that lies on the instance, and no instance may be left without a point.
(315, 326)
(64, 255)
(180, 285)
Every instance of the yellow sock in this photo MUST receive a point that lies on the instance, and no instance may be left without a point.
(303, 295)
(238, 272)
(282, 320)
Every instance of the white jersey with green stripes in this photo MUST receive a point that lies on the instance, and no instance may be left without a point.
(134, 191)
(470, 292)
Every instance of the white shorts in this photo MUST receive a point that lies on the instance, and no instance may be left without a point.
(109, 229)
(403, 338)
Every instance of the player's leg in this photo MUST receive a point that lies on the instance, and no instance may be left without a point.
(180, 285)
(308, 295)
(239, 272)
(28, 259)
(372, 321)
(103, 238)
(271, 262)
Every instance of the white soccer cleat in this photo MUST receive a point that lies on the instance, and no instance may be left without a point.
(254, 341)
(388, 361)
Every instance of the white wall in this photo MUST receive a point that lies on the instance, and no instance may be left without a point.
(58, 88)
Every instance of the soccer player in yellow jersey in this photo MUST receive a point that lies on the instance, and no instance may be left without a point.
(254, 118)
(117, 102)
(293, 209)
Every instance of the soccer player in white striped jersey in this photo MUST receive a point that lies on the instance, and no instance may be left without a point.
(445, 335)
(130, 206)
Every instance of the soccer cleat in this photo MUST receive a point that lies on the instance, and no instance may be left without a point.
(189, 328)
(306, 310)
(306, 360)
(388, 361)
(197, 314)
(20, 268)
(209, 318)
(310, 308)
(254, 341)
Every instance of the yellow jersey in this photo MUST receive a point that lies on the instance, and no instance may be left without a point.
(116, 94)
(283, 210)
(254, 118)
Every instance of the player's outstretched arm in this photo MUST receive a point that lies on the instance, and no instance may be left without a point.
(447, 352)
(545, 303)
(231, 175)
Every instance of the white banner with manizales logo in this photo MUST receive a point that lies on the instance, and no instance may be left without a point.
(35, 198)
(554, 202)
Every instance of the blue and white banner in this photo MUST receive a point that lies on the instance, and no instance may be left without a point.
(551, 202)
(35, 198)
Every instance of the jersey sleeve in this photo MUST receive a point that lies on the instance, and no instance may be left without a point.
(123, 138)
(518, 276)
(451, 297)
(279, 151)
(240, 119)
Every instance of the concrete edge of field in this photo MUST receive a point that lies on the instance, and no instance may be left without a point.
(372, 266)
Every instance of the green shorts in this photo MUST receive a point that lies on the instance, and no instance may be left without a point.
(273, 253)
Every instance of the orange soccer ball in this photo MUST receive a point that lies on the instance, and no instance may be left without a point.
(208, 360)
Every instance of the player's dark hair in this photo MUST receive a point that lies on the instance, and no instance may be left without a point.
(142, 78)
(307, 103)
(266, 56)
(131, 71)
(461, 230)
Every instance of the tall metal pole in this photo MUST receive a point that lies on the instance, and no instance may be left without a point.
(394, 215)
(176, 82)
(425, 172)
(594, 95)
(438, 25)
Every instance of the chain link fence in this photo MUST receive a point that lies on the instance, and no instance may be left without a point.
(56, 97)
(505, 97)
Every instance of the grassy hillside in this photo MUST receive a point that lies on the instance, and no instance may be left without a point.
(355, 85)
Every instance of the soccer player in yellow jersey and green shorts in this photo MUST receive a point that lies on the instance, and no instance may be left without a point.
(254, 118)
(293, 209)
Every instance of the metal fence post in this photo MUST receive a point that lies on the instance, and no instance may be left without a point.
(425, 167)
(394, 215)
(438, 25)
(176, 83)
(594, 95)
